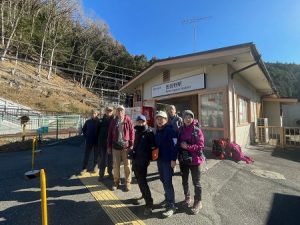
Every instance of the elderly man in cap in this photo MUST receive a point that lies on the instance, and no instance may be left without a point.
(141, 153)
(90, 131)
(120, 140)
(166, 139)
(105, 159)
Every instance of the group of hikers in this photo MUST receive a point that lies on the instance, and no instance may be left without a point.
(114, 139)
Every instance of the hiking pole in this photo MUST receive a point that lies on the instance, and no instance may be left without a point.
(32, 173)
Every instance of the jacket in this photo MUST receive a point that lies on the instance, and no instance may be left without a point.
(195, 141)
(176, 122)
(144, 143)
(90, 131)
(104, 123)
(165, 140)
(113, 132)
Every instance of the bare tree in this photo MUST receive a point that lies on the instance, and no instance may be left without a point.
(18, 14)
(2, 23)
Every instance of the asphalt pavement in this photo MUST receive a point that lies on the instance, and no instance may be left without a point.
(265, 192)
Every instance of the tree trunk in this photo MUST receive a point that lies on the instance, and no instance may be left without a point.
(10, 38)
(82, 74)
(99, 75)
(42, 50)
(2, 24)
(51, 60)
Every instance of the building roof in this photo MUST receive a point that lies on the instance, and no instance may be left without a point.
(238, 57)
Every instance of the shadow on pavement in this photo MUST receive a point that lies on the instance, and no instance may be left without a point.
(287, 153)
(285, 210)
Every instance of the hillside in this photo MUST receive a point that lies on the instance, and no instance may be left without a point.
(286, 77)
(19, 83)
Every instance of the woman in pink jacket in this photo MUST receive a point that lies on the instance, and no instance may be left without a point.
(190, 147)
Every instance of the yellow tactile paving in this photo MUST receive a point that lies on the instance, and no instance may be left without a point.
(115, 209)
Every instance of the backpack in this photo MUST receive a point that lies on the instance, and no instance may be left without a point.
(218, 148)
(236, 153)
(195, 136)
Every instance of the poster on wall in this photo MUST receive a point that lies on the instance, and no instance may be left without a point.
(148, 112)
(133, 112)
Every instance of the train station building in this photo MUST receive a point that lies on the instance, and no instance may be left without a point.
(229, 90)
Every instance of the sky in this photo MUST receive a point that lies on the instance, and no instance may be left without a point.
(164, 28)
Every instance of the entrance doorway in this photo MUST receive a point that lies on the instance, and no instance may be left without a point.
(181, 104)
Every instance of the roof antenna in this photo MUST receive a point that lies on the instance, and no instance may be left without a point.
(194, 23)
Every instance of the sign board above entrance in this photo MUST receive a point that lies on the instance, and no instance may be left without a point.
(177, 86)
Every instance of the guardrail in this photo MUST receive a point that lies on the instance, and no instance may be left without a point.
(278, 136)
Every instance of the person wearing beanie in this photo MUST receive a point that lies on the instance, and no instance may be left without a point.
(190, 146)
(141, 153)
(166, 139)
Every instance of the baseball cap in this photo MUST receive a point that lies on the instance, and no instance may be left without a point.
(120, 107)
(141, 117)
(162, 114)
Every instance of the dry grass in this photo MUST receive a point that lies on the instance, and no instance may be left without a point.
(55, 94)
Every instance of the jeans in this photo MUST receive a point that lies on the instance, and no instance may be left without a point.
(140, 173)
(105, 160)
(88, 149)
(195, 172)
(166, 173)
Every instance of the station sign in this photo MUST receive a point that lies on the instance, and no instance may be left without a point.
(192, 83)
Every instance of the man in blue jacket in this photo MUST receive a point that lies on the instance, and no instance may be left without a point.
(90, 131)
(166, 139)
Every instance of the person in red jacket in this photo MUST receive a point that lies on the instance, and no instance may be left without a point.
(120, 140)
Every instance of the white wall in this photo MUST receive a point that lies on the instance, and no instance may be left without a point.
(271, 110)
(245, 133)
(216, 76)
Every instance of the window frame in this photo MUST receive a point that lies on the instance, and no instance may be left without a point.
(245, 120)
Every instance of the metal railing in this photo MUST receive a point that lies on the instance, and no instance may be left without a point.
(278, 136)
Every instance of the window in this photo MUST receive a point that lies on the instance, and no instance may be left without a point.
(212, 110)
(243, 110)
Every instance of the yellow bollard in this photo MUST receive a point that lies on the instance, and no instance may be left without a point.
(44, 197)
(33, 173)
(33, 152)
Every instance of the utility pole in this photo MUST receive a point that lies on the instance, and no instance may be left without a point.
(194, 23)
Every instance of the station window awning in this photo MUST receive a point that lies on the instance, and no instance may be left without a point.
(282, 100)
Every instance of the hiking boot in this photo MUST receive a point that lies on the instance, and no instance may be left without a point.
(147, 211)
(187, 201)
(196, 207)
(163, 203)
(127, 187)
(115, 186)
(83, 171)
(100, 178)
(169, 211)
